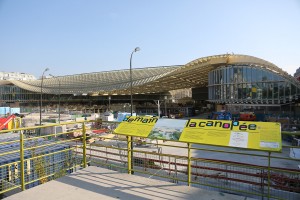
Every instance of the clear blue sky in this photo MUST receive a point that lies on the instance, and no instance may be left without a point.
(83, 36)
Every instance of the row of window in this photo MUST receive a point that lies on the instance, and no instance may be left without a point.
(242, 82)
(241, 74)
(11, 93)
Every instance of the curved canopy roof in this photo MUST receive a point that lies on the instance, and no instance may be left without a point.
(144, 80)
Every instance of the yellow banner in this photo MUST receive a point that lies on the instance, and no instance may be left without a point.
(136, 126)
(243, 134)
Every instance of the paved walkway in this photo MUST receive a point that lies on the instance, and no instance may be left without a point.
(99, 183)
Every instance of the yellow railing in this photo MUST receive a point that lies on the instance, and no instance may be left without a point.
(38, 154)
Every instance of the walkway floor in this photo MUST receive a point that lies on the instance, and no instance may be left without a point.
(99, 183)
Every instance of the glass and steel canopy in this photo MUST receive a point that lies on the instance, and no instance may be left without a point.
(162, 79)
(244, 84)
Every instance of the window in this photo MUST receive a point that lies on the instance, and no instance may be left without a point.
(275, 91)
(287, 90)
(249, 71)
(281, 90)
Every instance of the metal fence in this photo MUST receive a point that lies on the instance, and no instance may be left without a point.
(258, 181)
(34, 155)
(29, 157)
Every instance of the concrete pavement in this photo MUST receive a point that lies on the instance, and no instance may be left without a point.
(100, 183)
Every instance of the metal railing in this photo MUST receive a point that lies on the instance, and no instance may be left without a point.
(30, 156)
(34, 155)
(189, 168)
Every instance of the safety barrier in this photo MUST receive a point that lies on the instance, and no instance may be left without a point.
(34, 155)
(31, 156)
(228, 176)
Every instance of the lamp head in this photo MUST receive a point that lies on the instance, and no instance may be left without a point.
(47, 69)
(137, 49)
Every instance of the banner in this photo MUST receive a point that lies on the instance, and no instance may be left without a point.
(243, 134)
(136, 126)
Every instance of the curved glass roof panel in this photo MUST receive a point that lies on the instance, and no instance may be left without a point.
(146, 80)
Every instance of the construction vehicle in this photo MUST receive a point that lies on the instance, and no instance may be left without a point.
(247, 116)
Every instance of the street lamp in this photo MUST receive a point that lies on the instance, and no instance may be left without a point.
(291, 98)
(158, 107)
(131, 100)
(58, 96)
(131, 107)
(166, 114)
(41, 94)
(109, 98)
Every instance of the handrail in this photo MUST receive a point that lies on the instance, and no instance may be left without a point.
(37, 153)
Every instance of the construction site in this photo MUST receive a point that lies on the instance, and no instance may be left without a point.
(225, 125)
(80, 146)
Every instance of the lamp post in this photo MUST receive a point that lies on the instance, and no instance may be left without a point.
(291, 98)
(131, 100)
(131, 108)
(109, 98)
(158, 107)
(59, 92)
(41, 94)
(166, 114)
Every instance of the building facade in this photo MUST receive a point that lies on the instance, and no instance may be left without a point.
(16, 76)
(250, 84)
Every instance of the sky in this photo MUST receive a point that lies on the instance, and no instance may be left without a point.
(84, 36)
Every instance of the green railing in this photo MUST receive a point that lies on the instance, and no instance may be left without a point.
(35, 155)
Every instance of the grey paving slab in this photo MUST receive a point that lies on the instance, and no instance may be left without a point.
(99, 183)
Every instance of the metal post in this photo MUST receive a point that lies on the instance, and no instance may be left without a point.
(290, 118)
(269, 173)
(158, 107)
(22, 161)
(131, 99)
(41, 95)
(59, 85)
(59, 92)
(130, 70)
(84, 145)
(166, 114)
(129, 155)
(189, 164)
(109, 98)
(41, 100)
(131, 112)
